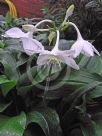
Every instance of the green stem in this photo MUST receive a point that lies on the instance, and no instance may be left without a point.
(47, 84)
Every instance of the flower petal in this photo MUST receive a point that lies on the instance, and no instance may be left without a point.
(15, 33)
(32, 46)
(77, 46)
(87, 49)
(66, 52)
(43, 59)
(95, 50)
(69, 61)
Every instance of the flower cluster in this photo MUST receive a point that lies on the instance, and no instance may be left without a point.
(55, 56)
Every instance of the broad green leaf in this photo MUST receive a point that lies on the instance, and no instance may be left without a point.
(12, 126)
(84, 76)
(6, 85)
(93, 65)
(14, 45)
(97, 92)
(47, 119)
(37, 117)
(9, 62)
(35, 75)
(53, 121)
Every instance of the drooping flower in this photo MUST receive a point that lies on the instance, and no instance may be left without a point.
(82, 46)
(57, 56)
(30, 45)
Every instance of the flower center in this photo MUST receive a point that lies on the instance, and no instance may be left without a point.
(54, 60)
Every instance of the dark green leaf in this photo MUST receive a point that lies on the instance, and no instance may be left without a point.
(37, 117)
(48, 120)
(6, 85)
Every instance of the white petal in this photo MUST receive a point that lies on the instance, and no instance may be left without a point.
(77, 46)
(66, 52)
(15, 33)
(32, 46)
(87, 49)
(69, 61)
(95, 50)
(43, 59)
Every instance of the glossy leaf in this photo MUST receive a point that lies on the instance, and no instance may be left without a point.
(48, 120)
(12, 126)
(37, 117)
(6, 85)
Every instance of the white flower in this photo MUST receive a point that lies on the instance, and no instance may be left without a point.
(30, 45)
(57, 56)
(15, 33)
(82, 46)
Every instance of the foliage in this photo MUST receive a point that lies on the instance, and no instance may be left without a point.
(72, 108)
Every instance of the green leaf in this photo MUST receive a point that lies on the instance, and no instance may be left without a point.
(35, 75)
(97, 92)
(9, 62)
(12, 126)
(37, 117)
(48, 120)
(93, 65)
(6, 85)
(84, 76)
(14, 45)
(53, 121)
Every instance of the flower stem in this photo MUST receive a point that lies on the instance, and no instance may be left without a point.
(47, 84)
(57, 42)
(79, 36)
(43, 21)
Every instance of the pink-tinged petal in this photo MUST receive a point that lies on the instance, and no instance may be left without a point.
(87, 49)
(43, 59)
(15, 33)
(32, 46)
(66, 52)
(95, 50)
(69, 61)
(77, 47)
